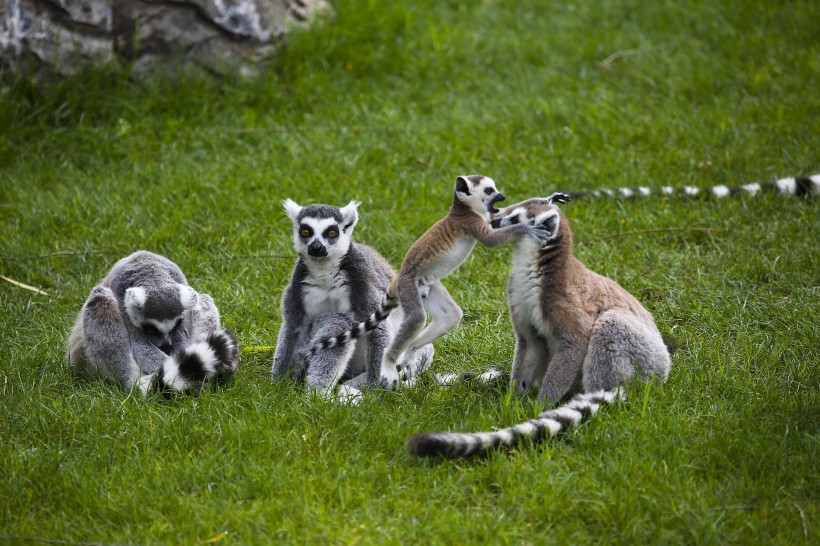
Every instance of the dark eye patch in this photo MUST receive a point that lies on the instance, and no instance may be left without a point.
(150, 330)
(305, 231)
(178, 323)
(488, 191)
(332, 232)
(515, 220)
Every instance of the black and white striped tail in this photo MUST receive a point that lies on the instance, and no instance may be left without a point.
(388, 304)
(801, 186)
(214, 358)
(492, 376)
(548, 424)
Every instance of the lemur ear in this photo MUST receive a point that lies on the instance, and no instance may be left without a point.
(350, 215)
(462, 186)
(291, 209)
(551, 221)
(187, 296)
(135, 298)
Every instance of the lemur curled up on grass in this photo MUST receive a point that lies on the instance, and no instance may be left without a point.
(144, 325)
(577, 333)
(335, 283)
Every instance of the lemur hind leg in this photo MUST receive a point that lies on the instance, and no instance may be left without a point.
(107, 344)
(563, 374)
(620, 346)
(326, 367)
(529, 362)
(409, 329)
(445, 315)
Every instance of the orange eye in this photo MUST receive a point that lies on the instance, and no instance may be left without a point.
(332, 233)
(304, 233)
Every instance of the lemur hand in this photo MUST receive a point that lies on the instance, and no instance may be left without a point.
(540, 233)
(559, 197)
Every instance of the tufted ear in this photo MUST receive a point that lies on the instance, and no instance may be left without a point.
(187, 296)
(292, 209)
(135, 298)
(462, 186)
(350, 215)
(551, 221)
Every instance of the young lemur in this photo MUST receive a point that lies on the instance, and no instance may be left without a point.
(801, 186)
(435, 255)
(336, 283)
(576, 331)
(143, 325)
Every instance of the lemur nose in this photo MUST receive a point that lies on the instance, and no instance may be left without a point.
(317, 249)
(500, 197)
(165, 348)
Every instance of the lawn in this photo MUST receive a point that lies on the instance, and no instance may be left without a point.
(387, 104)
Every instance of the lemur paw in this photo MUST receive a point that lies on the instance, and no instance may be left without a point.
(559, 197)
(540, 234)
(389, 380)
(348, 395)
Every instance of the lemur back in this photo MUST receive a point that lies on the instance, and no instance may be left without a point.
(144, 325)
(578, 333)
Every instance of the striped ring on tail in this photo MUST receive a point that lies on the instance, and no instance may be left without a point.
(800, 186)
(548, 424)
(389, 303)
(213, 358)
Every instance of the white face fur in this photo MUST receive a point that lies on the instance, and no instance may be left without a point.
(479, 193)
(318, 233)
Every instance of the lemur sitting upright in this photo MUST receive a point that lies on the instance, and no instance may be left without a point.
(336, 283)
(577, 331)
(143, 325)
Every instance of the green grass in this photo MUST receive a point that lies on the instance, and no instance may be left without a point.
(387, 105)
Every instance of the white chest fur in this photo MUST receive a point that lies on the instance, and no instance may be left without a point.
(324, 293)
(448, 261)
(525, 287)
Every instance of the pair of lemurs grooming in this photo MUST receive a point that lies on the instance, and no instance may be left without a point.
(577, 332)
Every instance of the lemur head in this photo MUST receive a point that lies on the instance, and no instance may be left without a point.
(535, 213)
(158, 311)
(479, 193)
(322, 231)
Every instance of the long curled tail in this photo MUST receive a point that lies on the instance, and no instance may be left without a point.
(548, 424)
(801, 186)
(389, 303)
(213, 358)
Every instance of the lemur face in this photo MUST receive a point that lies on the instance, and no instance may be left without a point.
(158, 312)
(322, 231)
(479, 193)
(533, 214)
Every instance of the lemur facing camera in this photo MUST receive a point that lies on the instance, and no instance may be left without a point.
(144, 325)
(335, 284)
(577, 332)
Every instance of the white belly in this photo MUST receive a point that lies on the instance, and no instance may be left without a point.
(450, 260)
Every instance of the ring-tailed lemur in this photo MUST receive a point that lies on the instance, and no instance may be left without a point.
(576, 331)
(144, 325)
(432, 257)
(807, 186)
(336, 283)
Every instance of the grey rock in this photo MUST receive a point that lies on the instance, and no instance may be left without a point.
(65, 36)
